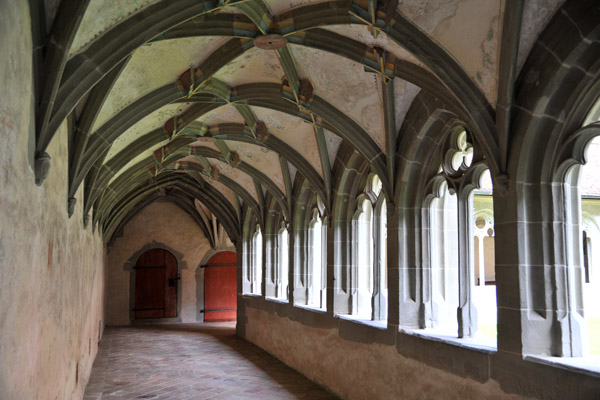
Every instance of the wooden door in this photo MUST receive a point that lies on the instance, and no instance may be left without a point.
(156, 285)
(220, 287)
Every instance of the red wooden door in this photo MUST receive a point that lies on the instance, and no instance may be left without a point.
(220, 287)
(156, 285)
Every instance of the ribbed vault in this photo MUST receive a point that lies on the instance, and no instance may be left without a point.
(223, 106)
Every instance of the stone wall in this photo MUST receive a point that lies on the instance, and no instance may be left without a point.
(358, 370)
(160, 225)
(356, 361)
(51, 268)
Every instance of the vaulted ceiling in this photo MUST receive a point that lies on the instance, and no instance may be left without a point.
(223, 103)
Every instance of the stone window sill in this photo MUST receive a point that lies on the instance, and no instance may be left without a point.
(277, 300)
(311, 308)
(252, 295)
(485, 345)
(378, 324)
(589, 365)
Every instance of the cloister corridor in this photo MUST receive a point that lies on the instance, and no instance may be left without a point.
(191, 361)
(389, 199)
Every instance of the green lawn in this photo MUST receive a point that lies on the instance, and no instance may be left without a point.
(489, 331)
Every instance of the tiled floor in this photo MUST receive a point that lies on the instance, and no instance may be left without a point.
(191, 361)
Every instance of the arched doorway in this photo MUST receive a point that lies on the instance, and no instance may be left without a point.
(156, 285)
(220, 287)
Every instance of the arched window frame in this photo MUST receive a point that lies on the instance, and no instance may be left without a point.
(281, 278)
(589, 227)
(369, 271)
(380, 262)
(277, 252)
(361, 277)
(569, 290)
(317, 269)
(441, 275)
(307, 204)
(256, 262)
(248, 260)
(462, 167)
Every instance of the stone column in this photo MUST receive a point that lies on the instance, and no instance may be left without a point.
(481, 259)
(324, 265)
(412, 309)
(379, 303)
(538, 286)
(467, 312)
(298, 259)
(340, 241)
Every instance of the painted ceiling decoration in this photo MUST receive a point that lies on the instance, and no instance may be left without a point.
(220, 105)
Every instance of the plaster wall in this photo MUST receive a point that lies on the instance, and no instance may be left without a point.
(446, 22)
(140, 77)
(52, 268)
(160, 225)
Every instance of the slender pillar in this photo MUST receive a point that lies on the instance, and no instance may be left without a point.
(467, 312)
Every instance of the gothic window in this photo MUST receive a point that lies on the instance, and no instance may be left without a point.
(256, 261)
(589, 223)
(316, 262)
(380, 289)
(282, 266)
(460, 245)
(443, 242)
(363, 269)
(369, 277)
(277, 254)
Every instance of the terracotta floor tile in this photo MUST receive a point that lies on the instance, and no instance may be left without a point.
(191, 362)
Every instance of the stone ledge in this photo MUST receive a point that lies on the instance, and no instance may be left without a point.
(311, 308)
(478, 344)
(589, 365)
(253, 295)
(277, 300)
(377, 324)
